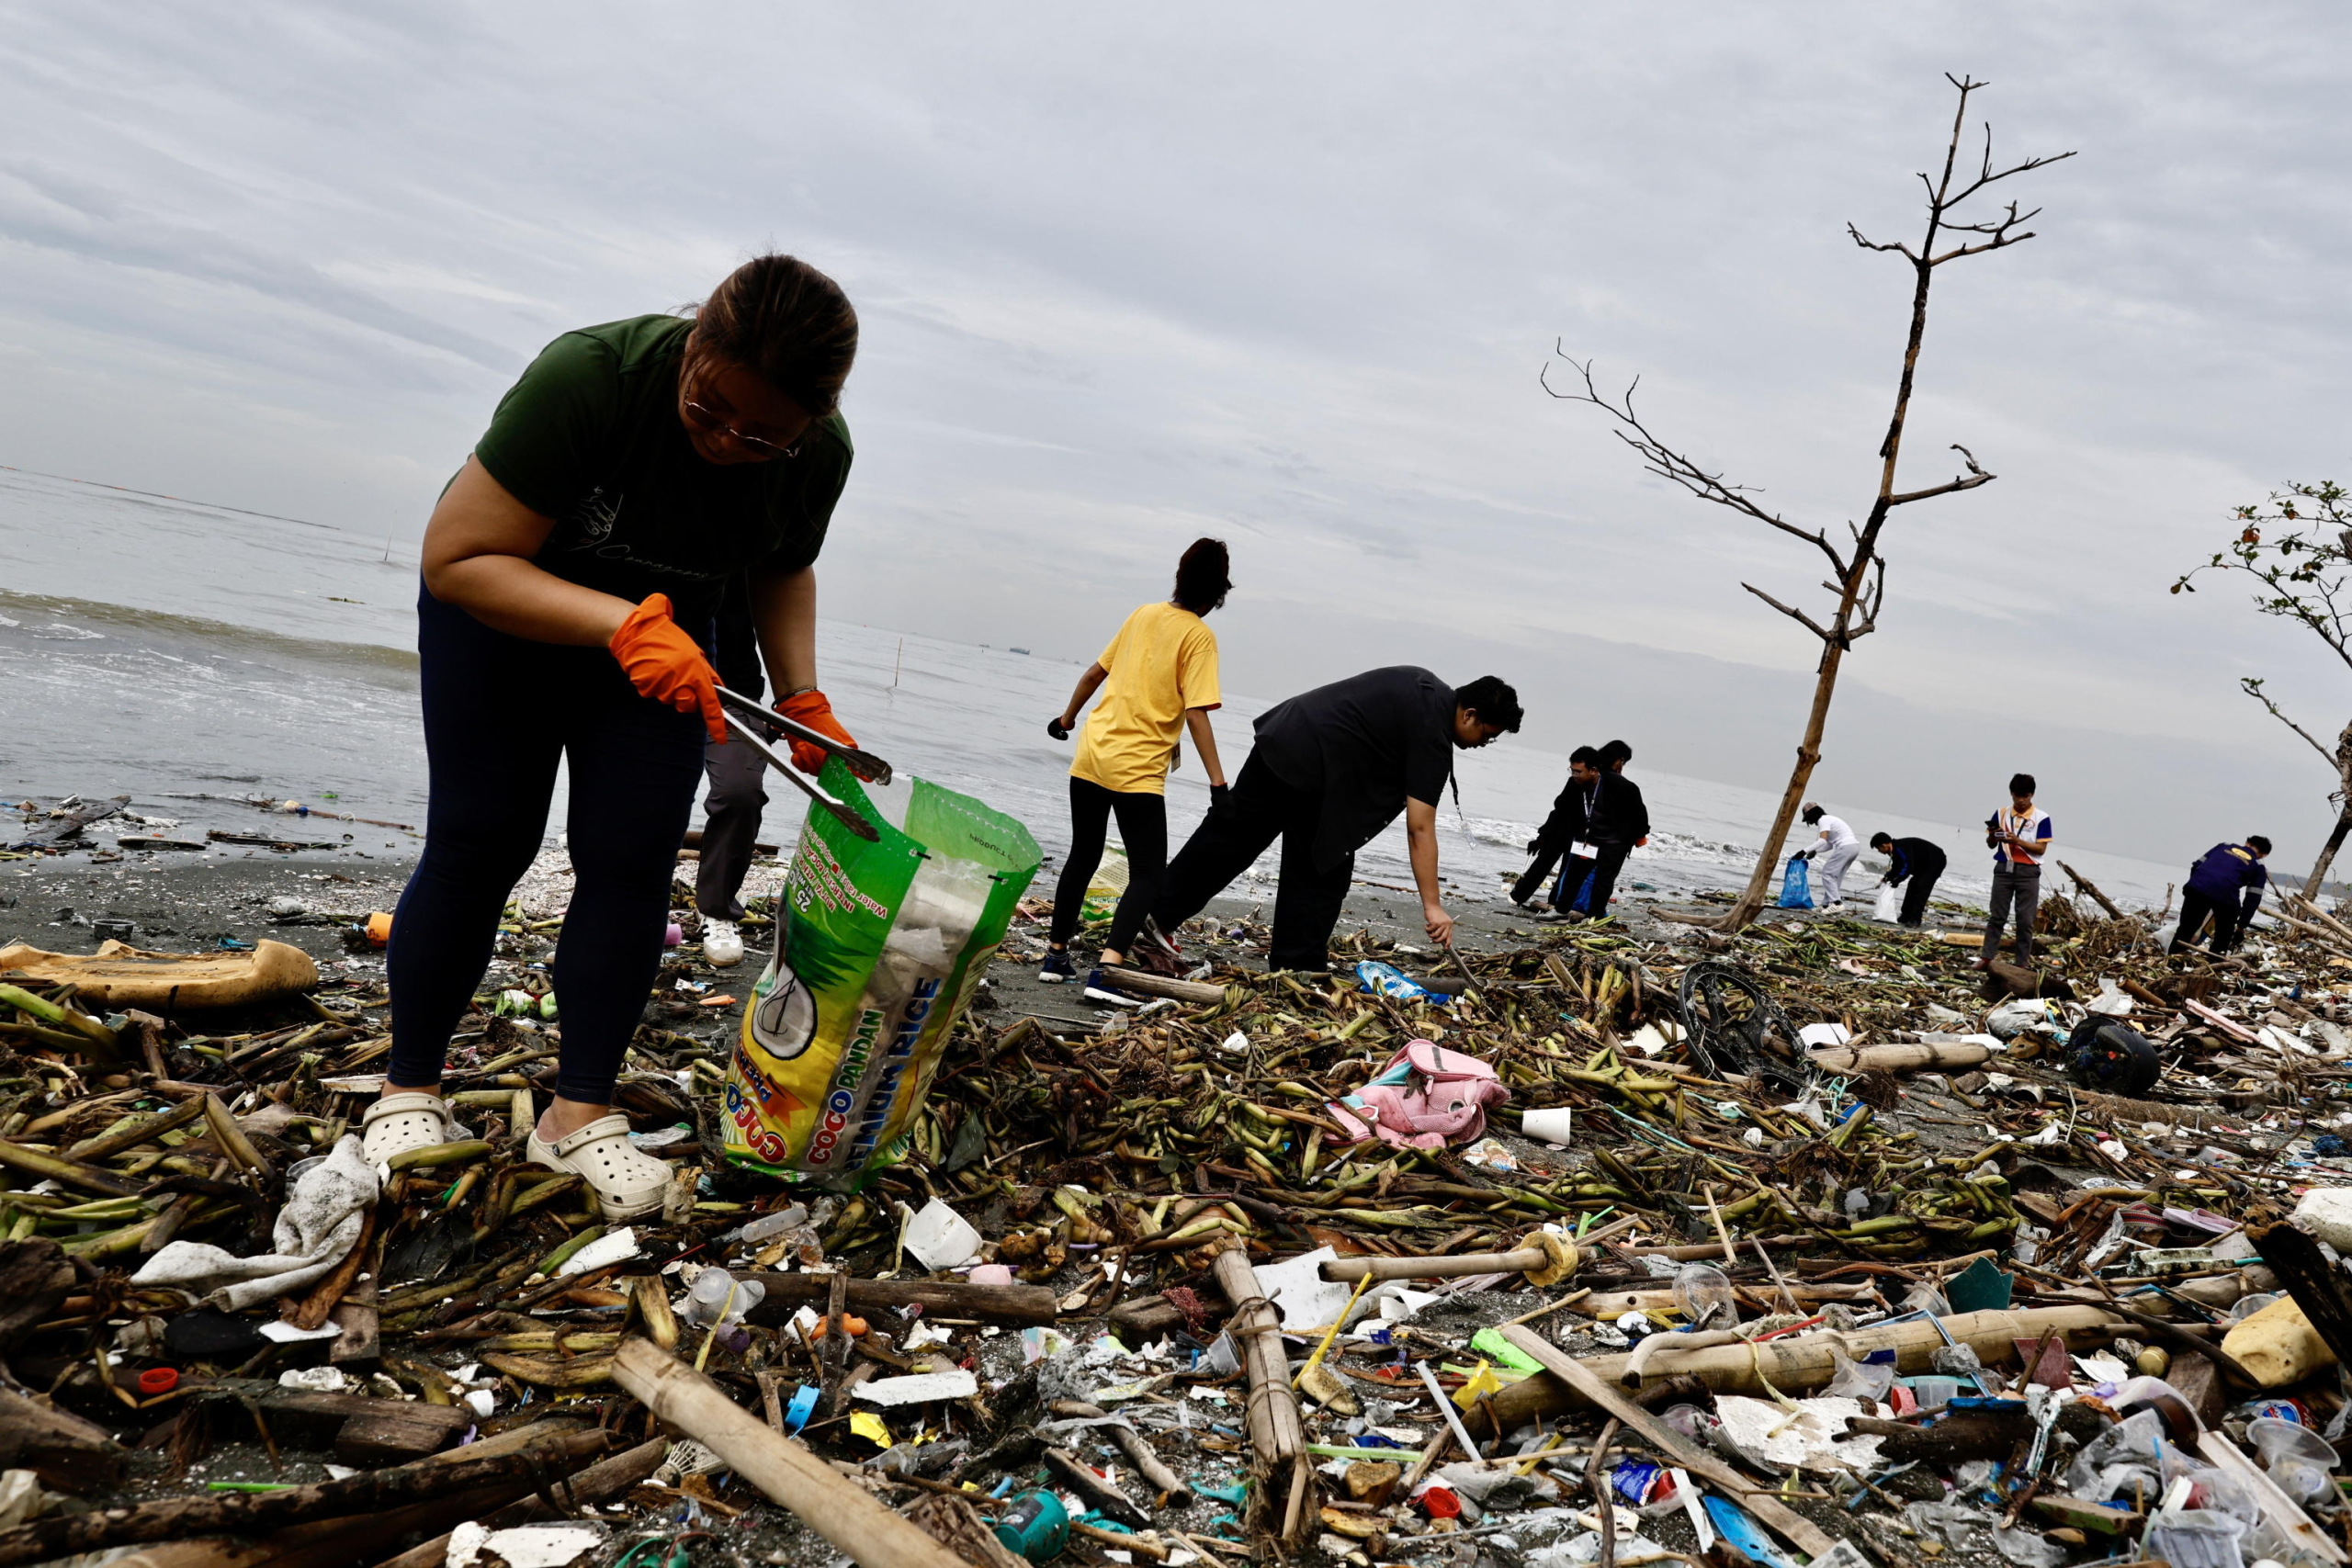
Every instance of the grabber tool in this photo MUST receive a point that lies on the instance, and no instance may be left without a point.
(743, 714)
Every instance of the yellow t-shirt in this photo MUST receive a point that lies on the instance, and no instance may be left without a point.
(1162, 662)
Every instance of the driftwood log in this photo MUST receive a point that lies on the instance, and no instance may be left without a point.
(246, 1514)
(1017, 1306)
(606, 1478)
(785, 1471)
(66, 1451)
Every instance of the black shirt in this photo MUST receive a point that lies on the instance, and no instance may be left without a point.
(1623, 816)
(1908, 858)
(590, 437)
(1366, 745)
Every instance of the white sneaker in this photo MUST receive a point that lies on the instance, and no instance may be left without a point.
(722, 943)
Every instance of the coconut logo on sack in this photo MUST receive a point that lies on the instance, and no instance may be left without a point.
(783, 1019)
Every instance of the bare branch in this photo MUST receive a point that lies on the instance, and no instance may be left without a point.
(1671, 465)
(1815, 628)
(1870, 244)
(1977, 475)
(2252, 686)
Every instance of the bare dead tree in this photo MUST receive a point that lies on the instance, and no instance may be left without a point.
(1857, 570)
(2298, 547)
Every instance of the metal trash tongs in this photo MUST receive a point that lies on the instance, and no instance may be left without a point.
(866, 763)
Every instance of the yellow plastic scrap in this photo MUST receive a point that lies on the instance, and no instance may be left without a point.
(1477, 1387)
(867, 1425)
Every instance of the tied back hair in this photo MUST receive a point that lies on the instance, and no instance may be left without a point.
(786, 322)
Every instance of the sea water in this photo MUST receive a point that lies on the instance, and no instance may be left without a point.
(165, 648)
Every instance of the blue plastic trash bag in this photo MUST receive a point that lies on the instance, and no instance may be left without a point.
(1387, 980)
(1796, 885)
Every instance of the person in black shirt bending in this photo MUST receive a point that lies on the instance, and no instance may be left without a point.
(1331, 769)
(1916, 861)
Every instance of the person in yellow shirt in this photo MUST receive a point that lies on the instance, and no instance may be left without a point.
(1158, 679)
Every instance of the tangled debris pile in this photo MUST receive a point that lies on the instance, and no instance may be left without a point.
(1627, 1244)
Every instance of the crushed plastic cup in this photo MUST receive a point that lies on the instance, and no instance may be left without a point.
(1704, 1294)
(940, 1238)
(715, 1292)
(2195, 1537)
(2299, 1459)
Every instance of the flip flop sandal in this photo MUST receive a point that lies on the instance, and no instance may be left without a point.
(399, 1123)
(626, 1179)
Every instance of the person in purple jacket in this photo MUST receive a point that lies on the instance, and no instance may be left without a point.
(2224, 886)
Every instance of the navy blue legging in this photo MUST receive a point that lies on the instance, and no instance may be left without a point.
(499, 712)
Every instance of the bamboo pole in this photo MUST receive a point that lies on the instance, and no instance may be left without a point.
(785, 1471)
(1277, 1435)
(1804, 1362)
(1899, 1058)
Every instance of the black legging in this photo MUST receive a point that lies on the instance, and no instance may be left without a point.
(500, 713)
(1143, 828)
(1311, 894)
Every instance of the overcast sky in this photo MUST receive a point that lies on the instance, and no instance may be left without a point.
(1286, 275)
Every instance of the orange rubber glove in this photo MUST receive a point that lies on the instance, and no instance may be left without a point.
(811, 709)
(663, 663)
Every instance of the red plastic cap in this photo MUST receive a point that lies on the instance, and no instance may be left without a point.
(157, 1381)
(1440, 1503)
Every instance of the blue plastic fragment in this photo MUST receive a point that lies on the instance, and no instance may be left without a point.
(803, 1405)
(1732, 1522)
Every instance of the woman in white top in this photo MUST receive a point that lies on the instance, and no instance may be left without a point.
(1832, 856)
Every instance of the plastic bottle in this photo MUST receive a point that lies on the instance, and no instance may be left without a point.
(767, 1225)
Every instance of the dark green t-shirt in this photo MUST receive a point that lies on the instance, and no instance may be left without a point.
(590, 437)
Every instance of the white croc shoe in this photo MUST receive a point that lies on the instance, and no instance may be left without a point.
(398, 1122)
(626, 1179)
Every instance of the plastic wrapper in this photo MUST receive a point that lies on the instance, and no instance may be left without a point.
(879, 946)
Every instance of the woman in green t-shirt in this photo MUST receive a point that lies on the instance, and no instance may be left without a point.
(571, 572)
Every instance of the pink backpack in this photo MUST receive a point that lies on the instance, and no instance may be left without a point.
(1426, 1098)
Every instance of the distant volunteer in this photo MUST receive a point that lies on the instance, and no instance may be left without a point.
(2225, 887)
(1570, 823)
(568, 569)
(1158, 680)
(1832, 853)
(2019, 839)
(1913, 865)
(1620, 823)
(1331, 769)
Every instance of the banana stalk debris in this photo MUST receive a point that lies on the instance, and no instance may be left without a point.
(1873, 1184)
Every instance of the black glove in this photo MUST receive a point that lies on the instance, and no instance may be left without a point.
(1805, 855)
(1535, 846)
(1218, 793)
(1057, 729)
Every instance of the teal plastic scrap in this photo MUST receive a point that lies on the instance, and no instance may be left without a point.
(1980, 1287)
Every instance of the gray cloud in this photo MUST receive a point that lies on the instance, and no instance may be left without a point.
(1288, 273)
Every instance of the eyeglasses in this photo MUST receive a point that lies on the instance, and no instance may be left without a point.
(717, 426)
(711, 421)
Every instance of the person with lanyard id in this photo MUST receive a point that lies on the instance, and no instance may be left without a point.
(2018, 838)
